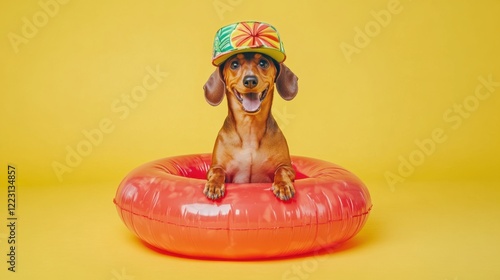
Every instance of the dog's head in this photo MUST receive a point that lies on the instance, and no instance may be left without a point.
(248, 80)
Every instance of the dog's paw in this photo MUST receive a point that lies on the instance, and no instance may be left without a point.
(214, 191)
(283, 190)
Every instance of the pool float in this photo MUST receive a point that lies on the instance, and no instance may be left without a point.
(162, 203)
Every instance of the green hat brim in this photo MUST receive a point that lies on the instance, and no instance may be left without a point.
(271, 52)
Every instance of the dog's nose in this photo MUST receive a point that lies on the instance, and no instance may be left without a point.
(250, 81)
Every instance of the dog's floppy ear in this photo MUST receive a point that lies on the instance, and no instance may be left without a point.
(214, 88)
(286, 82)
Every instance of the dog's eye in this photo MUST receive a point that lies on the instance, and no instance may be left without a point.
(234, 65)
(263, 63)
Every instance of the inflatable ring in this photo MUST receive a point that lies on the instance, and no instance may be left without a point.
(163, 204)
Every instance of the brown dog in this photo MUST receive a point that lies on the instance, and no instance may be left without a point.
(250, 147)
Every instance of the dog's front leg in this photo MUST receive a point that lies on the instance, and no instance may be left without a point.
(283, 182)
(215, 188)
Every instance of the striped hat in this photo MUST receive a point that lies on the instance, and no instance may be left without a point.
(247, 36)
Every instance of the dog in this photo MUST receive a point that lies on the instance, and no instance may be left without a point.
(250, 147)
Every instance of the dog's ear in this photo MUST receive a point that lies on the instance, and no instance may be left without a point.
(287, 82)
(214, 88)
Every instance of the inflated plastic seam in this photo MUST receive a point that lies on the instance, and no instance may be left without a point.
(260, 228)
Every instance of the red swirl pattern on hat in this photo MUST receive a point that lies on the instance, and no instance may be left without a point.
(255, 34)
(247, 36)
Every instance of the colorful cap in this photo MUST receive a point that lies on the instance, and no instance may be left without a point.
(247, 36)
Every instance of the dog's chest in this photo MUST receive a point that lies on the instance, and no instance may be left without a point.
(249, 165)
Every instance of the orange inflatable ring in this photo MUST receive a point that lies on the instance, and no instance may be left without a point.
(163, 204)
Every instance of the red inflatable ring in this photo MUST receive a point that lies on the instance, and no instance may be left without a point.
(163, 204)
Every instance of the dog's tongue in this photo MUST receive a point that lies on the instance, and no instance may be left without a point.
(251, 102)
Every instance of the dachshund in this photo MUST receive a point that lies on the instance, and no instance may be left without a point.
(250, 147)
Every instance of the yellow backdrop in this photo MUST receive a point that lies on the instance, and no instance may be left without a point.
(397, 91)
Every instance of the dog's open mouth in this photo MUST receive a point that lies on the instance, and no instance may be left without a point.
(251, 101)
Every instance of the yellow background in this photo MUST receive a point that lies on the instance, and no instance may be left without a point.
(365, 111)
